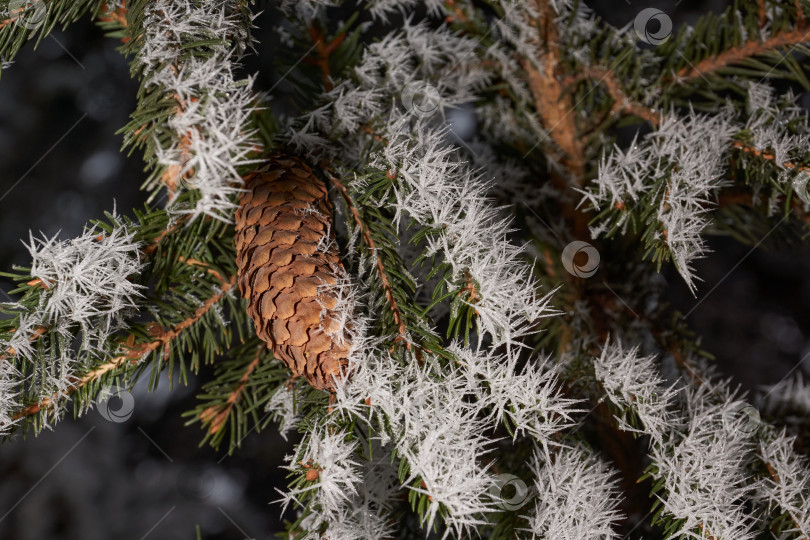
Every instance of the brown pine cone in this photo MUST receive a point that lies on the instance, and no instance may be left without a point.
(282, 219)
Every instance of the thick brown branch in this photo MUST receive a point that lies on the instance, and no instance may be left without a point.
(621, 103)
(324, 50)
(738, 54)
(552, 104)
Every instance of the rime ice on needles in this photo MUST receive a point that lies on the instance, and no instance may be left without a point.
(788, 483)
(779, 127)
(86, 278)
(689, 153)
(282, 407)
(632, 382)
(436, 189)
(366, 514)
(327, 450)
(422, 411)
(704, 469)
(85, 292)
(530, 398)
(577, 496)
(211, 136)
(9, 390)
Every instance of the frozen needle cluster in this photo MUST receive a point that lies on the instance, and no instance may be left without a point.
(211, 132)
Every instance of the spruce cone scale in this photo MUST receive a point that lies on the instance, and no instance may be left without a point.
(287, 266)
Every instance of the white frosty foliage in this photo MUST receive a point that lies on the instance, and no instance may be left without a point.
(704, 468)
(700, 456)
(632, 382)
(9, 390)
(690, 154)
(577, 496)
(436, 418)
(306, 10)
(780, 128)
(85, 293)
(352, 498)
(211, 136)
(383, 9)
(769, 123)
(326, 449)
(788, 484)
(789, 394)
(86, 278)
(431, 425)
(282, 407)
(436, 189)
(530, 399)
(435, 61)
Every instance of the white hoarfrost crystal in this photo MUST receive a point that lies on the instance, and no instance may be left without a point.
(211, 133)
(327, 450)
(85, 293)
(704, 468)
(788, 483)
(577, 496)
(633, 382)
(86, 278)
(789, 394)
(432, 426)
(9, 390)
(282, 407)
(529, 399)
(690, 153)
(434, 188)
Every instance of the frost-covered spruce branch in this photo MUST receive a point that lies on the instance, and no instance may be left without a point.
(211, 132)
(790, 395)
(577, 496)
(787, 487)
(437, 190)
(702, 442)
(80, 288)
(678, 168)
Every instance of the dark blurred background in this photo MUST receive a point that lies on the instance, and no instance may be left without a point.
(60, 165)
